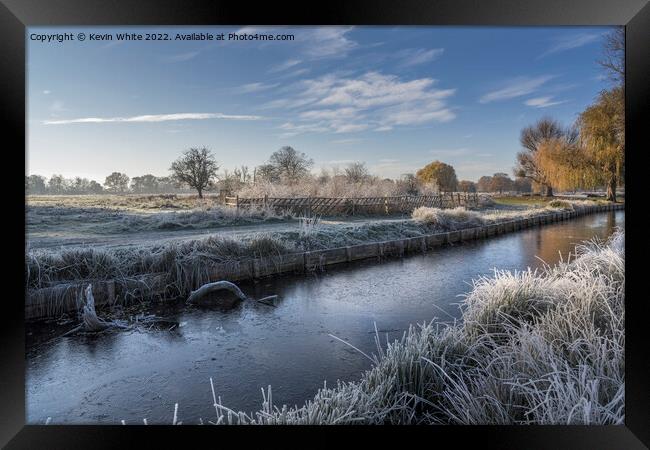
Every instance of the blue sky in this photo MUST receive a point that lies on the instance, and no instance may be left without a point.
(394, 97)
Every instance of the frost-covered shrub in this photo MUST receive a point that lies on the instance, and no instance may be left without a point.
(448, 219)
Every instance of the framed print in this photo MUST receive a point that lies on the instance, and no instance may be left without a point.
(325, 219)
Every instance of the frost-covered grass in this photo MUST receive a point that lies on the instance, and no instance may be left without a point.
(448, 219)
(536, 200)
(533, 347)
(458, 218)
(186, 263)
(113, 220)
(189, 262)
(124, 202)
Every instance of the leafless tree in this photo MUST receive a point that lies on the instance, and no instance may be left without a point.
(324, 176)
(268, 173)
(356, 172)
(291, 164)
(614, 55)
(408, 184)
(196, 167)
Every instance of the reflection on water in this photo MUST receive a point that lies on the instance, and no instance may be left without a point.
(136, 374)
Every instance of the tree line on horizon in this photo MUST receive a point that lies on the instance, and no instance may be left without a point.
(197, 171)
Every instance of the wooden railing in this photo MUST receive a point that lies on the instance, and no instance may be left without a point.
(350, 205)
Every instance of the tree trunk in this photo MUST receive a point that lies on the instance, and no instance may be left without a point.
(611, 188)
(200, 193)
(216, 286)
(549, 191)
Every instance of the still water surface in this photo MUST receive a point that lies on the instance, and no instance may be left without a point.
(141, 374)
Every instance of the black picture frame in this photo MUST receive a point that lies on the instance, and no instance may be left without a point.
(16, 15)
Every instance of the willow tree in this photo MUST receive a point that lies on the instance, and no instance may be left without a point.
(531, 139)
(602, 137)
(441, 174)
(566, 164)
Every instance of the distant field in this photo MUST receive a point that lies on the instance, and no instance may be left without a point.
(135, 202)
(85, 217)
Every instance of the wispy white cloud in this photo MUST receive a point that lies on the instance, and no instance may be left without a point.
(310, 43)
(295, 73)
(347, 141)
(543, 102)
(150, 118)
(328, 41)
(252, 30)
(289, 63)
(330, 114)
(46, 92)
(565, 43)
(415, 56)
(292, 129)
(342, 104)
(517, 87)
(254, 87)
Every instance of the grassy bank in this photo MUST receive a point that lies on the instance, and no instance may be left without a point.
(536, 200)
(190, 263)
(532, 348)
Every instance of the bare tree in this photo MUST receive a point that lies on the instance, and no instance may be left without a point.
(291, 164)
(324, 176)
(197, 168)
(614, 55)
(245, 174)
(356, 172)
(408, 183)
(267, 173)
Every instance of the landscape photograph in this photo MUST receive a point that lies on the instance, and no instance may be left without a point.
(325, 225)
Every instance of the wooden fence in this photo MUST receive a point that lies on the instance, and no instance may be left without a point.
(327, 206)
